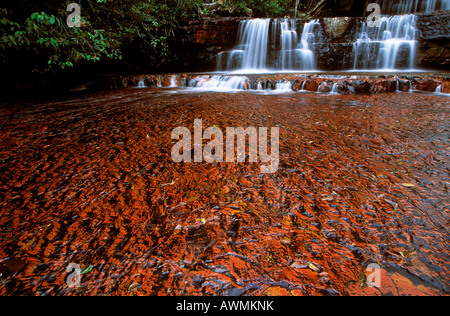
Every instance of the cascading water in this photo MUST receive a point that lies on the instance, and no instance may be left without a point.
(254, 40)
(141, 84)
(173, 82)
(392, 45)
(271, 45)
(288, 39)
(306, 59)
(219, 83)
(266, 45)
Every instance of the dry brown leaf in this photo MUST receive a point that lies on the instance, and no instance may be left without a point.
(133, 286)
(421, 266)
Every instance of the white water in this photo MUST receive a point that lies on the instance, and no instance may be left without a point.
(283, 86)
(219, 83)
(334, 89)
(253, 38)
(390, 46)
(288, 43)
(141, 84)
(276, 46)
(173, 82)
(306, 59)
(267, 45)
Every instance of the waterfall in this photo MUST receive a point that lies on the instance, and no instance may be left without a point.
(306, 59)
(393, 45)
(173, 82)
(334, 89)
(220, 83)
(141, 84)
(283, 45)
(288, 39)
(265, 44)
(399, 7)
(283, 86)
(253, 41)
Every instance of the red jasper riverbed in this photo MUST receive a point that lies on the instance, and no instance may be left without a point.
(90, 180)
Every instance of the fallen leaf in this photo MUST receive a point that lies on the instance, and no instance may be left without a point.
(277, 291)
(178, 229)
(408, 185)
(225, 190)
(313, 267)
(133, 286)
(393, 204)
(297, 265)
(28, 244)
(202, 220)
(408, 254)
(193, 199)
(87, 269)
(167, 184)
(328, 198)
(421, 266)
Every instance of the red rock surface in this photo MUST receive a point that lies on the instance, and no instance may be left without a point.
(90, 180)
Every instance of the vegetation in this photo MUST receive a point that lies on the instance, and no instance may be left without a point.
(38, 33)
(267, 8)
(35, 35)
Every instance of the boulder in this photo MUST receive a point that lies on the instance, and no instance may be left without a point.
(325, 87)
(403, 85)
(446, 86)
(426, 84)
(342, 87)
(311, 85)
(297, 85)
(361, 86)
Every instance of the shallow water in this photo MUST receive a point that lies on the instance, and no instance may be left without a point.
(90, 180)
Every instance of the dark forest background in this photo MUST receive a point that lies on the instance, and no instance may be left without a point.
(123, 35)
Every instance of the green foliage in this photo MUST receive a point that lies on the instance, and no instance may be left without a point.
(265, 8)
(36, 34)
(48, 35)
(40, 30)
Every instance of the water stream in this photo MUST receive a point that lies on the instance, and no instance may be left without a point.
(283, 45)
(392, 45)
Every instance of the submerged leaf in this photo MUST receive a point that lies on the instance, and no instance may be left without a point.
(313, 267)
(193, 199)
(297, 265)
(328, 198)
(134, 286)
(87, 269)
(421, 266)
